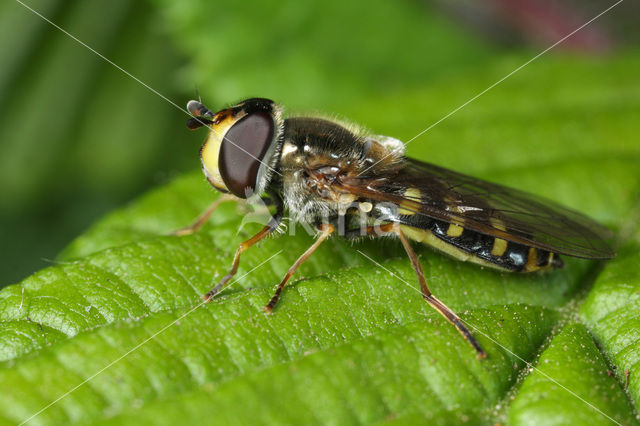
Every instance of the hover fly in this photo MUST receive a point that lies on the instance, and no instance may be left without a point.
(331, 175)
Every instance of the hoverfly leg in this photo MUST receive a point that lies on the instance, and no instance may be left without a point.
(264, 232)
(326, 230)
(273, 225)
(204, 217)
(443, 309)
(377, 230)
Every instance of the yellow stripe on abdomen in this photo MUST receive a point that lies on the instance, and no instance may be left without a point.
(485, 250)
(427, 237)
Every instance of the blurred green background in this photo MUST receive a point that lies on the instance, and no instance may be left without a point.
(79, 137)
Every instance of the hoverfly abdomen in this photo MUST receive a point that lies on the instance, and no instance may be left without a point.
(546, 260)
(486, 250)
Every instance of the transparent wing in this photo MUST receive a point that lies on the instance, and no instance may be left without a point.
(433, 192)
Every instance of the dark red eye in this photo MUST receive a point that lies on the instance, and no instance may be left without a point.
(243, 150)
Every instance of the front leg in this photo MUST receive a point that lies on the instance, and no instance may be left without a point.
(204, 217)
(273, 225)
(325, 231)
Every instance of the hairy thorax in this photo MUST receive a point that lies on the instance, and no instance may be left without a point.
(321, 160)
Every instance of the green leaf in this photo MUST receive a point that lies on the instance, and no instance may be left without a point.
(611, 311)
(596, 397)
(350, 343)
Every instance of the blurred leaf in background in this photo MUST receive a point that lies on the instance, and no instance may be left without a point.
(318, 54)
(77, 136)
(349, 344)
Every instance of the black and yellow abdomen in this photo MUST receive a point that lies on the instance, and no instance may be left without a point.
(482, 249)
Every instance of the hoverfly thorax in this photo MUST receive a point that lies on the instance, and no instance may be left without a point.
(321, 159)
(241, 151)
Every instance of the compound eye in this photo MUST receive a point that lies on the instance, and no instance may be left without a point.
(243, 151)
